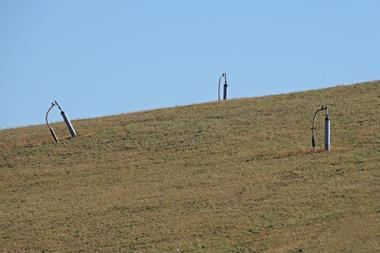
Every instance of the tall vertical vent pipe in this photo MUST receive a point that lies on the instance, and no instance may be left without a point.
(327, 129)
(223, 76)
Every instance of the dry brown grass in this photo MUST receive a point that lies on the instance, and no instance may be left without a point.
(236, 176)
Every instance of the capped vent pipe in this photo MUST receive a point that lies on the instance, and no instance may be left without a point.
(67, 121)
(223, 76)
(65, 118)
(327, 129)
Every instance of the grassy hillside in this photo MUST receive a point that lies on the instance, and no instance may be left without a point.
(235, 176)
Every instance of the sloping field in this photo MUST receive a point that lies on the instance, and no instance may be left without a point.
(235, 176)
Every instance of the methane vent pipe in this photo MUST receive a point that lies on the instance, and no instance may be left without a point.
(67, 121)
(65, 118)
(327, 129)
(225, 86)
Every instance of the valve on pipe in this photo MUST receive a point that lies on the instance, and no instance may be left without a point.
(327, 128)
(65, 119)
(223, 76)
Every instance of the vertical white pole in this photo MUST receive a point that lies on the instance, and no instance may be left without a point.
(327, 132)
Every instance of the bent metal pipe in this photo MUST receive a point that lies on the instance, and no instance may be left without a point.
(65, 118)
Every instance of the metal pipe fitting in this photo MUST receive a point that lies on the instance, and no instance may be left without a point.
(224, 75)
(327, 129)
(65, 119)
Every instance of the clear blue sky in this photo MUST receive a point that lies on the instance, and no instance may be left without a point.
(108, 57)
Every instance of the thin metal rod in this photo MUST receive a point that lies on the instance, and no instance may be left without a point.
(47, 123)
(327, 131)
(56, 103)
(220, 79)
(313, 132)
